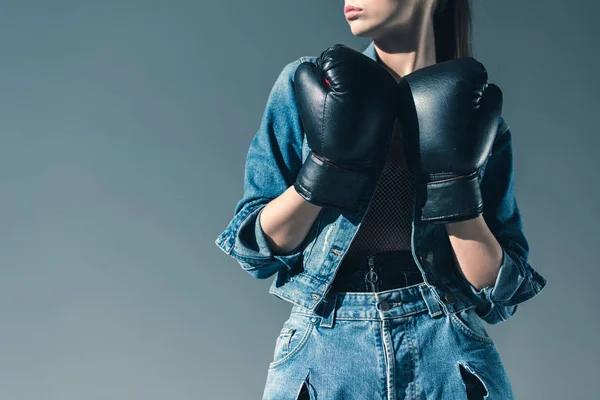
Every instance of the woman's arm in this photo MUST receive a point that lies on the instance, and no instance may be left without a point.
(272, 164)
(501, 280)
(476, 251)
(286, 220)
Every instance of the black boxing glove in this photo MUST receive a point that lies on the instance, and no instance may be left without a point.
(449, 116)
(346, 105)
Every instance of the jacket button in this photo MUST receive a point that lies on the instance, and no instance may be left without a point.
(449, 298)
(315, 296)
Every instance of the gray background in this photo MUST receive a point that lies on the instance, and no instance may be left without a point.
(124, 127)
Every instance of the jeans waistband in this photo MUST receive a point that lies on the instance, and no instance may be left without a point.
(387, 304)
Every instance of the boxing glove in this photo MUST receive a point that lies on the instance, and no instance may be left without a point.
(346, 103)
(449, 116)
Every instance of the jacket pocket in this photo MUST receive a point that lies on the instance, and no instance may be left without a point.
(293, 337)
(471, 325)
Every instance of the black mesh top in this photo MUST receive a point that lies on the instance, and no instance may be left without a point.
(387, 222)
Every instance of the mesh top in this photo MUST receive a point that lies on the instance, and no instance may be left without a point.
(387, 223)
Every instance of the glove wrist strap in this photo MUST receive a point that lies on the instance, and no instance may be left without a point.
(452, 200)
(328, 185)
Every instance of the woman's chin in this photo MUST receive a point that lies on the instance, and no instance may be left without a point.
(360, 29)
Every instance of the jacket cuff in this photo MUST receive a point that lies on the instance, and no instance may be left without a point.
(245, 241)
(514, 285)
(263, 247)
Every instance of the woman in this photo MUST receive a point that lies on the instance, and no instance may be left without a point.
(365, 195)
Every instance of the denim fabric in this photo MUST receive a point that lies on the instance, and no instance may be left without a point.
(395, 344)
(303, 276)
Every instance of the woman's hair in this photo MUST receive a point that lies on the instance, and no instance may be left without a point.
(452, 28)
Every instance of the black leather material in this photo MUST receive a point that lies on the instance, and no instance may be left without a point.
(324, 184)
(347, 104)
(449, 116)
(466, 201)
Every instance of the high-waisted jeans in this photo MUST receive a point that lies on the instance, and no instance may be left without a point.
(395, 344)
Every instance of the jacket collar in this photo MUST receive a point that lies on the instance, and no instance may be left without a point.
(370, 51)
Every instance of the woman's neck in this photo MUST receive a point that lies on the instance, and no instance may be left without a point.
(408, 48)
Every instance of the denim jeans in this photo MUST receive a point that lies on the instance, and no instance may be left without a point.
(396, 344)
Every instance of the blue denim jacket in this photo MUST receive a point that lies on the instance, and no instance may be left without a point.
(303, 276)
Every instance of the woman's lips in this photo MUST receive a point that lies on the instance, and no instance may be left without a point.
(351, 11)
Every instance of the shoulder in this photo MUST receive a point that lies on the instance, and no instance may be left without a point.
(502, 126)
(284, 84)
(289, 69)
(503, 134)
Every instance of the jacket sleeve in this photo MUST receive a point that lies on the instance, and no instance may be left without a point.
(272, 163)
(517, 281)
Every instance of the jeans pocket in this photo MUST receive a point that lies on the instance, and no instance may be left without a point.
(470, 324)
(292, 338)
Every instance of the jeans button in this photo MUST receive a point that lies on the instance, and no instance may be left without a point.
(384, 305)
(449, 298)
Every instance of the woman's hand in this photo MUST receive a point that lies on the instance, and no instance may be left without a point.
(346, 102)
(449, 116)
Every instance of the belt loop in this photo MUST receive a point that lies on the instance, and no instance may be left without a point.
(329, 306)
(432, 300)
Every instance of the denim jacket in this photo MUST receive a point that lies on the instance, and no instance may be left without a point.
(304, 275)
